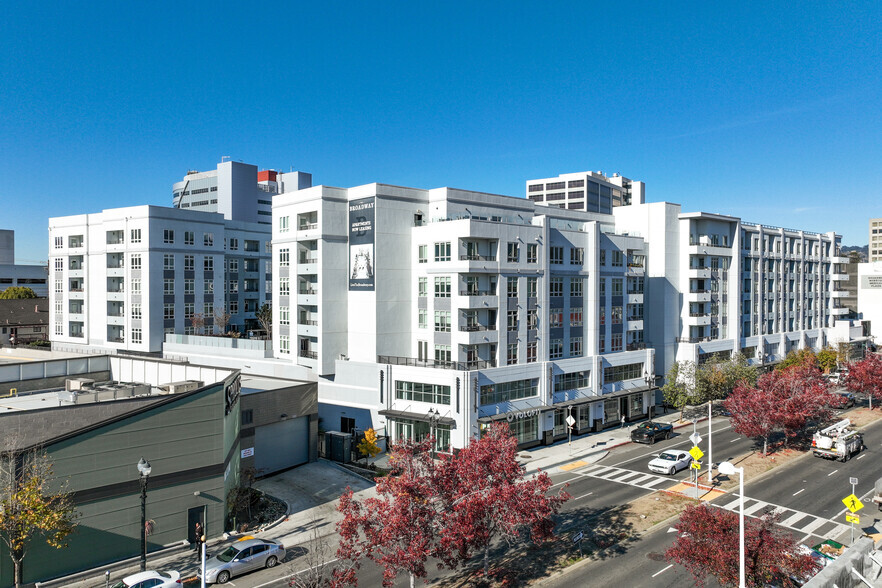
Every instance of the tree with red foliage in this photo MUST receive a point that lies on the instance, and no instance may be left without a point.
(865, 376)
(782, 401)
(708, 544)
(447, 509)
(485, 497)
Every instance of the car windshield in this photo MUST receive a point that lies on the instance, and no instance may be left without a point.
(644, 426)
(227, 554)
(667, 456)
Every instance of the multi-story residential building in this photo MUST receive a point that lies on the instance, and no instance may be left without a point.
(589, 191)
(448, 309)
(125, 277)
(236, 190)
(13, 274)
(875, 248)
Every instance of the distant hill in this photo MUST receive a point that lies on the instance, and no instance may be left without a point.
(864, 250)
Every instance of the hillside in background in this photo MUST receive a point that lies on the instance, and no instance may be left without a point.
(864, 250)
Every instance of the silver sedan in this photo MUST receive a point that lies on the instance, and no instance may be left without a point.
(242, 557)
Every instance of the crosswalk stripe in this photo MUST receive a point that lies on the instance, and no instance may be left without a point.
(732, 505)
(813, 525)
(755, 507)
(655, 481)
(793, 519)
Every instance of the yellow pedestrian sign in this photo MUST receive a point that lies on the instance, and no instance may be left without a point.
(695, 465)
(853, 503)
(853, 518)
(696, 453)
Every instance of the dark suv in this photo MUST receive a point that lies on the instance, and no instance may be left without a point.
(651, 432)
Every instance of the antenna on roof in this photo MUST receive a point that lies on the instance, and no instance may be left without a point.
(223, 157)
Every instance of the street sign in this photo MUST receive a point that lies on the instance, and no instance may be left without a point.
(853, 518)
(571, 421)
(853, 503)
(696, 453)
(578, 537)
(695, 438)
(853, 481)
(695, 465)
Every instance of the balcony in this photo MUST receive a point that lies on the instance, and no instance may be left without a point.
(694, 339)
(307, 226)
(839, 293)
(635, 346)
(477, 293)
(699, 272)
(308, 354)
(476, 257)
(839, 277)
(306, 259)
(836, 311)
(431, 363)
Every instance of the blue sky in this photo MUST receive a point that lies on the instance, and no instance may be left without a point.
(760, 110)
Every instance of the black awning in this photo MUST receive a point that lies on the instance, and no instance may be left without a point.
(415, 416)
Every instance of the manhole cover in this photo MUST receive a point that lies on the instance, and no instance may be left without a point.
(656, 556)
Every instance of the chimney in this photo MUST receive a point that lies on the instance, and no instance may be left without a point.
(36, 308)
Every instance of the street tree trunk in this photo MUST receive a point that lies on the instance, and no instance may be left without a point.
(486, 560)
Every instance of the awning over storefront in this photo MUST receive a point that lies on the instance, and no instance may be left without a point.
(416, 416)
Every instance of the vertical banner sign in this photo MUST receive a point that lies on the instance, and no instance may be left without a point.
(361, 245)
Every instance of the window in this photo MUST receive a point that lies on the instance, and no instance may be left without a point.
(284, 224)
(617, 258)
(617, 286)
(208, 264)
(189, 286)
(442, 287)
(512, 354)
(423, 318)
(284, 286)
(442, 320)
(234, 307)
(509, 391)
(572, 381)
(635, 285)
(189, 263)
(208, 310)
(419, 392)
(168, 236)
(618, 373)
(234, 243)
(59, 242)
(135, 235)
(189, 238)
(136, 336)
(576, 287)
(422, 286)
(284, 344)
(512, 324)
(555, 349)
(555, 287)
(284, 257)
(532, 319)
(577, 256)
(615, 343)
(442, 251)
(575, 317)
(422, 253)
(208, 286)
(442, 353)
(602, 315)
(136, 285)
(135, 261)
(168, 286)
(555, 317)
(576, 347)
(168, 261)
(136, 310)
(59, 264)
(603, 257)
(59, 286)
(532, 287)
(284, 315)
(234, 265)
(512, 287)
(208, 239)
(532, 253)
(59, 328)
(514, 252)
(189, 310)
(168, 311)
(616, 315)
(555, 255)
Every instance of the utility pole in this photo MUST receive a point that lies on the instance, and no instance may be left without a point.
(710, 452)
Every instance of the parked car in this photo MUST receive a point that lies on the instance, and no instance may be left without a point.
(670, 462)
(242, 557)
(150, 579)
(651, 432)
(847, 399)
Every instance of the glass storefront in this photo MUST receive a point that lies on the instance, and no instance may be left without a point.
(636, 404)
(611, 410)
(419, 430)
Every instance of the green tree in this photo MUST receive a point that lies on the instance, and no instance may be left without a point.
(804, 357)
(17, 293)
(679, 389)
(30, 509)
(827, 359)
(690, 384)
(264, 316)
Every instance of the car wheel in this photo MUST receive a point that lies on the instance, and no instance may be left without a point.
(668, 435)
(271, 561)
(652, 440)
(223, 577)
(672, 471)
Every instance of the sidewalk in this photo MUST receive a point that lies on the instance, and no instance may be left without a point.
(311, 492)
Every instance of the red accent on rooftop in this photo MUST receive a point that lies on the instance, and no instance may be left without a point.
(266, 175)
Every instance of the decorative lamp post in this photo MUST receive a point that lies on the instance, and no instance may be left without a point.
(649, 380)
(434, 417)
(728, 469)
(144, 474)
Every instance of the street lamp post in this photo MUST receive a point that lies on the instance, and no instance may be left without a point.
(434, 417)
(143, 474)
(648, 379)
(726, 468)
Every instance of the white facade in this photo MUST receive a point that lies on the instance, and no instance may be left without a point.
(588, 191)
(874, 250)
(869, 295)
(123, 278)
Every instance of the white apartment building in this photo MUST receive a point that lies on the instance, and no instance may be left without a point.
(123, 278)
(449, 309)
(589, 191)
(874, 250)
(236, 190)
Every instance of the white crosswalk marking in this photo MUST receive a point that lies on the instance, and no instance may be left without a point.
(623, 476)
(789, 517)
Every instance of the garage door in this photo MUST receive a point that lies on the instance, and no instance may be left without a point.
(281, 445)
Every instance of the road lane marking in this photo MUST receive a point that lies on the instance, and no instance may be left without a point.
(292, 575)
(798, 491)
(831, 473)
(861, 456)
(735, 439)
(662, 571)
(584, 496)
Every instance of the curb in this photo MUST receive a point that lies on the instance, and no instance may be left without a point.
(348, 471)
(279, 520)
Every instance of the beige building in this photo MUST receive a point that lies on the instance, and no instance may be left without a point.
(875, 249)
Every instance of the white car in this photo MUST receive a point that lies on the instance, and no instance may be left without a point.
(670, 462)
(150, 579)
